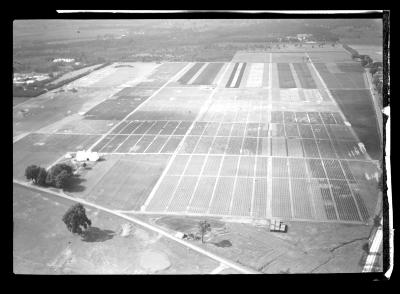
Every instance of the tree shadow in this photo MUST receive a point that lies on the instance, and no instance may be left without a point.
(74, 184)
(94, 234)
(223, 243)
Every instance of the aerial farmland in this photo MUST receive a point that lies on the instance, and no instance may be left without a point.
(287, 133)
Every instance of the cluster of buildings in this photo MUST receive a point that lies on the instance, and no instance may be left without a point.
(29, 78)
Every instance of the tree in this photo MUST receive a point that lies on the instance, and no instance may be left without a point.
(31, 172)
(41, 177)
(204, 227)
(55, 171)
(61, 179)
(76, 220)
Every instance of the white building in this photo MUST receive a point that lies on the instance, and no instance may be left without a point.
(87, 156)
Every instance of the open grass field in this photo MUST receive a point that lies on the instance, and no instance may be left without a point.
(44, 149)
(43, 245)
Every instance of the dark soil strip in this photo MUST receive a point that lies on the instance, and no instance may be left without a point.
(232, 75)
(305, 77)
(208, 75)
(286, 79)
(240, 75)
(190, 73)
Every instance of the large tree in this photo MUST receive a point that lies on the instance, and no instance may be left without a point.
(76, 220)
(56, 170)
(31, 172)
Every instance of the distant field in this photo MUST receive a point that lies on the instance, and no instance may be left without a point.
(74, 73)
(374, 51)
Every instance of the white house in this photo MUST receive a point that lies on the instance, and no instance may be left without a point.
(87, 156)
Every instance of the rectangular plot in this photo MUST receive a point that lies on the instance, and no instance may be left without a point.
(229, 166)
(278, 147)
(133, 125)
(333, 169)
(157, 144)
(319, 132)
(204, 144)
(263, 130)
(289, 117)
(156, 128)
(322, 199)
(202, 195)
(195, 165)
(294, 147)
(219, 145)
(327, 118)
(189, 144)
(285, 76)
(344, 201)
(190, 73)
(277, 130)
(143, 143)
(249, 146)
(178, 165)
(234, 145)
(121, 125)
(233, 73)
(102, 143)
(163, 194)
(326, 149)
(264, 146)
(302, 117)
(306, 131)
(297, 168)
(310, 148)
(279, 167)
(316, 169)
(347, 171)
(255, 77)
(208, 75)
(276, 117)
(239, 79)
(246, 166)
(222, 196)
(182, 195)
(169, 128)
(211, 129)
(314, 118)
(302, 203)
(171, 144)
(129, 144)
(261, 166)
(292, 130)
(182, 128)
(238, 129)
(224, 129)
(114, 143)
(242, 195)
(198, 128)
(361, 205)
(280, 204)
(212, 165)
(142, 129)
(260, 198)
(338, 118)
(252, 130)
(305, 76)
